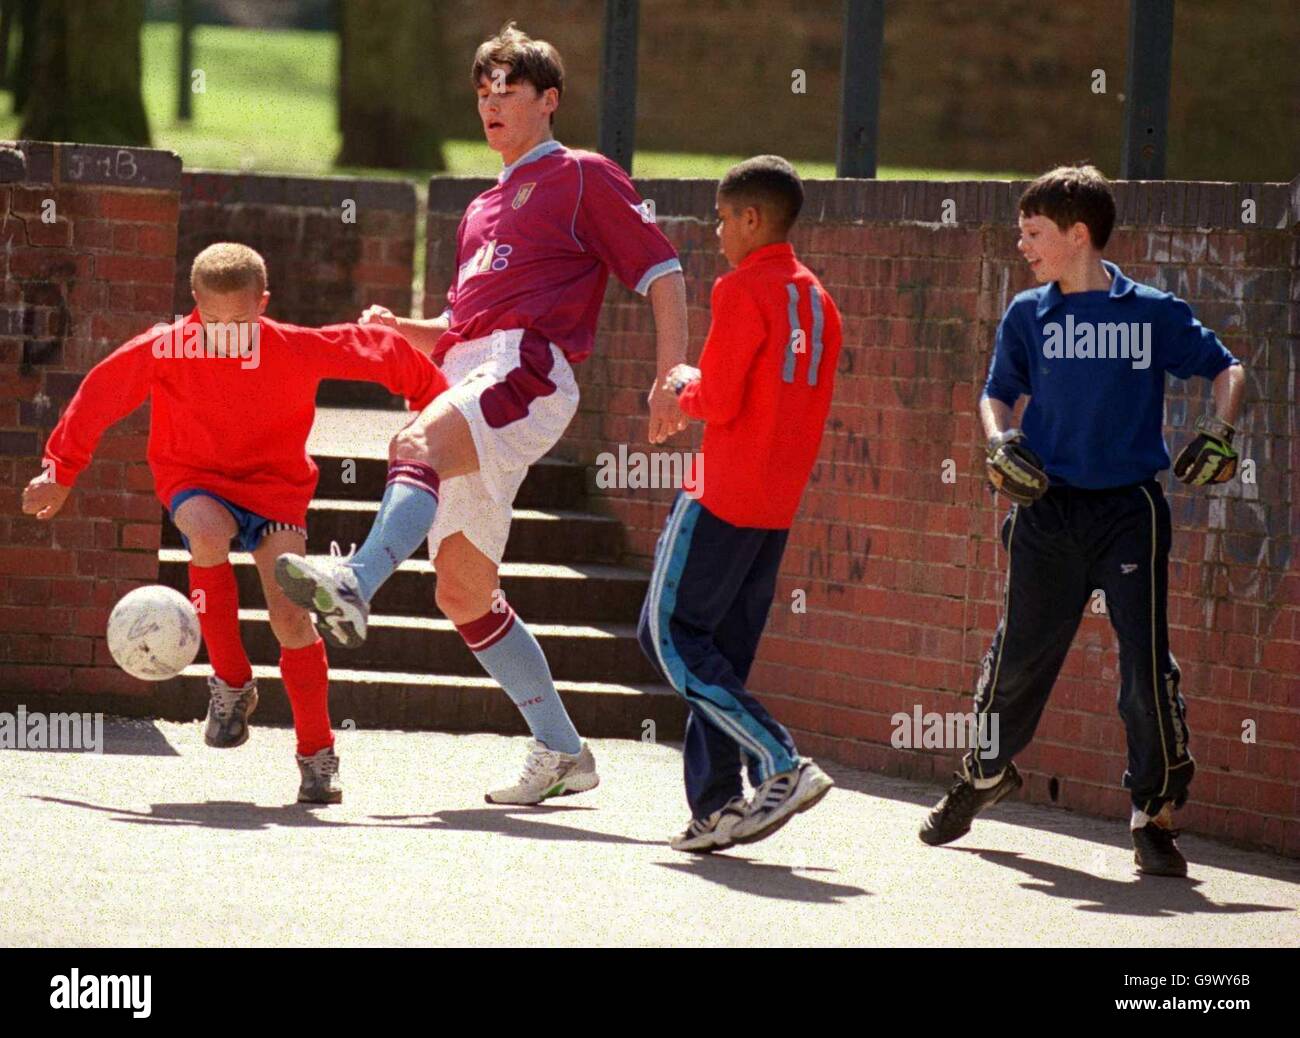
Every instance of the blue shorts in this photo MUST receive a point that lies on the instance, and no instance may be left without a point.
(251, 526)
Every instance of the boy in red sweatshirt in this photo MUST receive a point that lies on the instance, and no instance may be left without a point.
(233, 399)
(763, 390)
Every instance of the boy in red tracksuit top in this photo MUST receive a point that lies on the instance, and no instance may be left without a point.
(763, 390)
(233, 399)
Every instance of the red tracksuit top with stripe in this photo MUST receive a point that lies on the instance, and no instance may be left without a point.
(766, 376)
(224, 425)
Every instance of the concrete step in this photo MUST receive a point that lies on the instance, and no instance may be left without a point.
(366, 699)
(539, 592)
(431, 645)
(536, 535)
(550, 484)
(361, 436)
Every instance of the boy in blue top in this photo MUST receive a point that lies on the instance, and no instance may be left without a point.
(1090, 349)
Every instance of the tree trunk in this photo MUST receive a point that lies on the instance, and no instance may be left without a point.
(388, 91)
(85, 82)
(7, 8)
(28, 15)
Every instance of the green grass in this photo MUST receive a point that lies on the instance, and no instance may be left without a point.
(269, 107)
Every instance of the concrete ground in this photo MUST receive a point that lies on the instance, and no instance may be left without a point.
(162, 841)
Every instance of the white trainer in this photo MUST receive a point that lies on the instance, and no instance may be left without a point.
(328, 588)
(780, 798)
(548, 773)
(715, 833)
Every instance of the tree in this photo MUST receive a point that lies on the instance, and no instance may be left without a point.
(19, 78)
(85, 75)
(388, 91)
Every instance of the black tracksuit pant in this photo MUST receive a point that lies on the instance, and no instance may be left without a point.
(1060, 548)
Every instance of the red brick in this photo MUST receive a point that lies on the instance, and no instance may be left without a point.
(141, 535)
(133, 269)
(49, 264)
(36, 679)
(156, 240)
(107, 680)
(49, 235)
(380, 274)
(144, 206)
(93, 234)
(76, 651)
(142, 565)
(124, 237)
(27, 562)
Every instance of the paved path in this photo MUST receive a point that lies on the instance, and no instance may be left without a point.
(162, 841)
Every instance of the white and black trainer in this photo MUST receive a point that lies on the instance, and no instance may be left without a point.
(705, 835)
(780, 798)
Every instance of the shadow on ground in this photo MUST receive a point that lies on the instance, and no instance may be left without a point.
(123, 736)
(520, 822)
(1133, 895)
(781, 882)
(1111, 832)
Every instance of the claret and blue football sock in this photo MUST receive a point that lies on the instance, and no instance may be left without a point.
(511, 655)
(405, 514)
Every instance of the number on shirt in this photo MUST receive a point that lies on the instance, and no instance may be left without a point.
(797, 333)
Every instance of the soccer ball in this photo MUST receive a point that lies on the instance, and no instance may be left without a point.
(153, 633)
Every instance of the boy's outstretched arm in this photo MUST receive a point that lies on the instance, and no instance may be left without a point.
(376, 352)
(423, 335)
(111, 390)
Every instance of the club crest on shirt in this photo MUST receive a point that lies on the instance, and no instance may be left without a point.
(522, 196)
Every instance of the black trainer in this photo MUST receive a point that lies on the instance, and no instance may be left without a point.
(952, 816)
(1156, 853)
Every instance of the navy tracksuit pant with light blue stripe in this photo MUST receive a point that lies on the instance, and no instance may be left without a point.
(700, 626)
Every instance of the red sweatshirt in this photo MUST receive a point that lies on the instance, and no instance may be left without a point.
(766, 375)
(226, 424)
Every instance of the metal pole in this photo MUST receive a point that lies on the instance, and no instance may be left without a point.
(864, 30)
(184, 91)
(1146, 91)
(616, 137)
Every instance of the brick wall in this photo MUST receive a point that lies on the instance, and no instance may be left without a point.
(89, 237)
(903, 572)
(1032, 63)
(332, 246)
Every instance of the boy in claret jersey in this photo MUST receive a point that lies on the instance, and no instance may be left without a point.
(233, 398)
(763, 390)
(534, 253)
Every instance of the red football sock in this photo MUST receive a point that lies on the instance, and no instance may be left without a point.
(219, 622)
(306, 680)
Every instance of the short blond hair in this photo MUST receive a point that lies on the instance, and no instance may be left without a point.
(228, 266)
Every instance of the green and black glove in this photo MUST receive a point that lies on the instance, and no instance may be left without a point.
(1015, 470)
(1209, 458)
